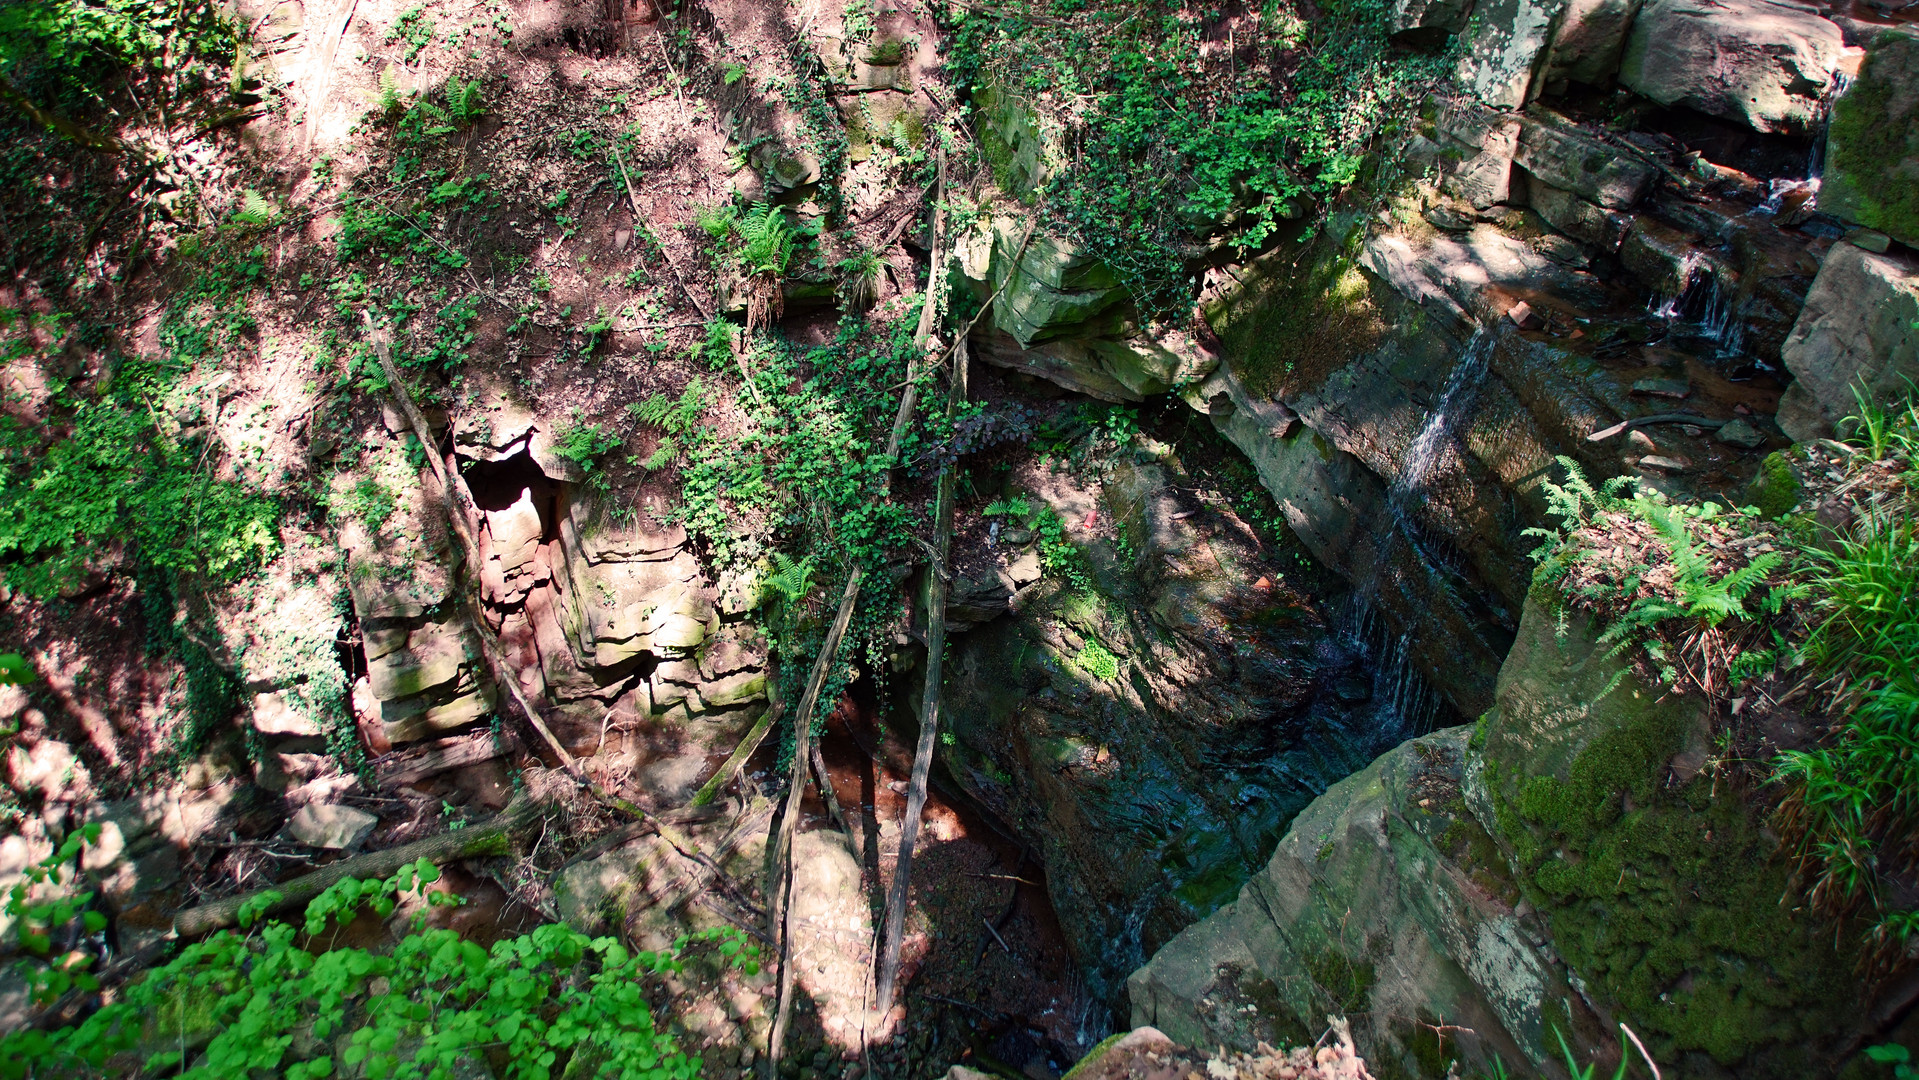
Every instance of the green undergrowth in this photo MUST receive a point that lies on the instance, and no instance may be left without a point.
(1676, 608)
(1171, 142)
(799, 479)
(1853, 802)
(1650, 880)
(280, 999)
(123, 476)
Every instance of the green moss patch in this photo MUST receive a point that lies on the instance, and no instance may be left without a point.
(1666, 900)
(1872, 173)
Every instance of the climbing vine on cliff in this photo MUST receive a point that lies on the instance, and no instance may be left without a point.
(1175, 126)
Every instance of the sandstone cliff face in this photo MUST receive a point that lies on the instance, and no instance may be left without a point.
(606, 617)
(1562, 865)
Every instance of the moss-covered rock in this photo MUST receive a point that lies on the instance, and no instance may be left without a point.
(1566, 863)
(1872, 147)
(1775, 488)
(1385, 901)
(1658, 879)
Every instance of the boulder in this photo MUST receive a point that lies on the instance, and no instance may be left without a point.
(1441, 16)
(1047, 286)
(1386, 901)
(273, 715)
(1587, 46)
(1664, 259)
(331, 826)
(1021, 148)
(1484, 178)
(1538, 875)
(1857, 331)
(1507, 46)
(1577, 218)
(1872, 146)
(1765, 65)
(1554, 150)
(1131, 368)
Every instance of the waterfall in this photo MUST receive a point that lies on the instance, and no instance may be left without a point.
(1816, 156)
(1455, 401)
(1708, 309)
(1666, 307)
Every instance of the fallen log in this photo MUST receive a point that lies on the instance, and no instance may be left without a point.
(738, 758)
(491, 837)
(1663, 418)
(779, 897)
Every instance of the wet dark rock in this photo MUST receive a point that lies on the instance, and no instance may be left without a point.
(1741, 434)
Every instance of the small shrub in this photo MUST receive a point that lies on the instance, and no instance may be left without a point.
(432, 1006)
(1098, 661)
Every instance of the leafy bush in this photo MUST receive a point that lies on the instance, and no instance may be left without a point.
(431, 1007)
(69, 49)
(111, 481)
(1167, 140)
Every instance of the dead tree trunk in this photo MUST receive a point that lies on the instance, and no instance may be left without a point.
(929, 709)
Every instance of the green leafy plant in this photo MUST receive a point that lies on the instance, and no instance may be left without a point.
(677, 418)
(1896, 1056)
(414, 28)
(859, 280)
(465, 101)
(533, 1005)
(43, 906)
(1849, 801)
(15, 671)
(1098, 661)
(67, 501)
(1685, 614)
(386, 95)
(792, 578)
(255, 210)
(1057, 553)
(371, 502)
(1174, 141)
(585, 445)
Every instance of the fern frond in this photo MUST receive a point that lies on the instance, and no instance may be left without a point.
(255, 209)
(791, 579)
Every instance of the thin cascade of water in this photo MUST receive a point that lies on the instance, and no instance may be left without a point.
(1455, 402)
(1667, 307)
(1403, 705)
(1816, 155)
(1455, 398)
